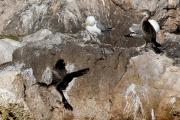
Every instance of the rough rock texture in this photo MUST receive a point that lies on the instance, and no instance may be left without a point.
(121, 84)
(8, 8)
(12, 105)
(7, 46)
(87, 90)
(144, 88)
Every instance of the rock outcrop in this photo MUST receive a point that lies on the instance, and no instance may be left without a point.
(7, 46)
(122, 83)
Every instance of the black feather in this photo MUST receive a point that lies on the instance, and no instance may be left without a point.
(61, 79)
(107, 29)
(150, 33)
(157, 50)
(69, 77)
(60, 64)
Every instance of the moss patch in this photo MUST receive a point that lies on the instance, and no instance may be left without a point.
(13, 37)
(14, 112)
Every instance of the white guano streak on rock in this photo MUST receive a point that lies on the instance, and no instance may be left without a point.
(27, 19)
(47, 76)
(153, 115)
(70, 12)
(103, 2)
(35, 11)
(29, 76)
(136, 104)
(173, 100)
(70, 68)
(130, 89)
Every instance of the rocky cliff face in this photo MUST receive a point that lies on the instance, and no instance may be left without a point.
(122, 83)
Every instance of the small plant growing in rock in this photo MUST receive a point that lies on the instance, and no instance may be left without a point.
(14, 111)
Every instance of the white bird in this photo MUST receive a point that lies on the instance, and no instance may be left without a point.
(95, 27)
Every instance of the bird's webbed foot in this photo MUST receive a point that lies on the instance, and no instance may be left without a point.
(67, 105)
(158, 50)
(65, 102)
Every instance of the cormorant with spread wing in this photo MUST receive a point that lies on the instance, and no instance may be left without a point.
(61, 80)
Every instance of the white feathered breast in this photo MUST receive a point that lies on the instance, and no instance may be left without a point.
(155, 25)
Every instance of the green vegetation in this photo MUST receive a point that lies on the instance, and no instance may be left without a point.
(13, 37)
(14, 111)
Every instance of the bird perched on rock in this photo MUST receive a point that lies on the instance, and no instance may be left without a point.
(61, 79)
(95, 27)
(146, 29)
(135, 29)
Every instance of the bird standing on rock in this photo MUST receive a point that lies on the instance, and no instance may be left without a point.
(95, 27)
(149, 32)
(146, 29)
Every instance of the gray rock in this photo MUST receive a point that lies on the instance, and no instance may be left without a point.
(39, 35)
(121, 84)
(7, 46)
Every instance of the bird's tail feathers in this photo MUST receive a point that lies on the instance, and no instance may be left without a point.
(108, 29)
(157, 44)
(157, 50)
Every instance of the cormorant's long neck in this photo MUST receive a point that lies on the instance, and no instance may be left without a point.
(146, 18)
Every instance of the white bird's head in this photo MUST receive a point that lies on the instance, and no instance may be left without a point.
(90, 21)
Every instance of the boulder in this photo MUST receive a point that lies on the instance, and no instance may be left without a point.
(7, 46)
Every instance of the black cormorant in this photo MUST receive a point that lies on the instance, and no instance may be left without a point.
(61, 79)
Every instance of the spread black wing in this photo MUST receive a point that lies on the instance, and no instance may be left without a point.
(64, 83)
(69, 77)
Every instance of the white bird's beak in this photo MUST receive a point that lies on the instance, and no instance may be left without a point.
(87, 24)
